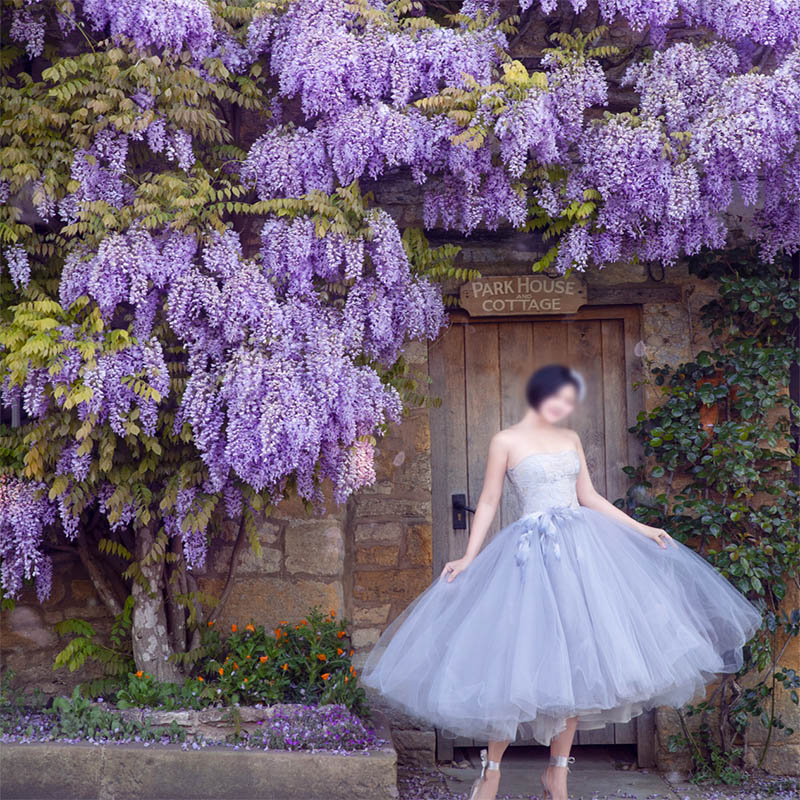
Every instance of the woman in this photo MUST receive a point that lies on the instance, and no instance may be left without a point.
(573, 616)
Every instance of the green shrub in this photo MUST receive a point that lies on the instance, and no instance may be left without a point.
(304, 662)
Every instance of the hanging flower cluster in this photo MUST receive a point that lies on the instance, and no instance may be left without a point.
(772, 22)
(278, 385)
(704, 131)
(25, 512)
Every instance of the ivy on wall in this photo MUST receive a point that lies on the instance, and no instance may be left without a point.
(720, 449)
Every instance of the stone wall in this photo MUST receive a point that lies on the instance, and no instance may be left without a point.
(301, 565)
(370, 557)
(28, 643)
(390, 526)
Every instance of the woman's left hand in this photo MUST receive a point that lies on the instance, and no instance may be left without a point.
(658, 535)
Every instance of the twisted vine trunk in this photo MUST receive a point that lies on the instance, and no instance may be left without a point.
(150, 636)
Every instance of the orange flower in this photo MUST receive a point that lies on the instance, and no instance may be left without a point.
(283, 622)
(303, 622)
(200, 677)
(352, 651)
(353, 669)
(345, 678)
(233, 627)
(333, 613)
(262, 659)
(147, 676)
(139, 674)
(235, 665)
(340, 634)
(322, 657)
(325, 675)
(210, 623)
(339, 651)
(221, 670)
(249, 656)
(245, 680)
(285, 666)
(250, 626)
(277, 633)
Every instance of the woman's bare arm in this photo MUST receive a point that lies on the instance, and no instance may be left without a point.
(588, 496)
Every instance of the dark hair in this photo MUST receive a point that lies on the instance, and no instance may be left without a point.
(548, 380)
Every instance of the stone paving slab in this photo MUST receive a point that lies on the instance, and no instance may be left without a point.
(592, 775)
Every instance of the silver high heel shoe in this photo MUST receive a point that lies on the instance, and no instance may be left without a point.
(555, 761)
(485, 764)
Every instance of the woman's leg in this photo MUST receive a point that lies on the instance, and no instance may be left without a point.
(491, 778)
(560, 745)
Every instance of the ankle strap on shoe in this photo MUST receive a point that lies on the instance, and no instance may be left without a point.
(562, 761)
(486, 764)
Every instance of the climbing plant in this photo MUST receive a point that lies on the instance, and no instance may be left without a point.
(719, 475)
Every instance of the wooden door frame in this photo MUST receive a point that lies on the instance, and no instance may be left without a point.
(631, 316)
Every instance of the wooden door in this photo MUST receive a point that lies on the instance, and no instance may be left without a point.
(479, 368)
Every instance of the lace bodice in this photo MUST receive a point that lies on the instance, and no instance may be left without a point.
(543, 480)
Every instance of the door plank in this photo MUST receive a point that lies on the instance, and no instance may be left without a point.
(625, 732)
(448, 443)
(549, 338)
(482, 364)
(516, 365)
(584, 353)
(615, 407)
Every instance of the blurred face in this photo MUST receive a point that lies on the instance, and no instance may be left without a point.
(559, 404)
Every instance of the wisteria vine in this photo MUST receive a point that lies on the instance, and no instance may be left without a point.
(285, 335)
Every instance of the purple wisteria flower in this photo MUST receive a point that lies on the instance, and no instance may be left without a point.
(25, 512)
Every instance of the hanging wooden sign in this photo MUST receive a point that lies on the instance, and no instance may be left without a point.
(522, 294)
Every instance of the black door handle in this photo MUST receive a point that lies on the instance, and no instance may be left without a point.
(460, 509)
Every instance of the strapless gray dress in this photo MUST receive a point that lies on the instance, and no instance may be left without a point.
(564, 612)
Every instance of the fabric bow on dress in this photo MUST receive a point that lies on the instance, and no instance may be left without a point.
(545, 524)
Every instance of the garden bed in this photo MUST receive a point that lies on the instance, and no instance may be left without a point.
(260, 716)
(208, 766)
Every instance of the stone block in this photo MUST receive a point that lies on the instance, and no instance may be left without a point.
(379, 531)
(270, 600)
(415, 747)
(81, 590)
(58, 588)
(419, 544)
(365, 637)
(422, 438)
(378, 555)
(316, 548)
(269, 531)
(396, 585)
(376, 615)
(416, 352)
(385, 486)
(24, 626)
(269, 561)
(379, 506)
(398, 720)
(782, 758)
(415, 477)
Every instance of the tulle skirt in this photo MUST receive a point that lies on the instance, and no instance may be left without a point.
(564, 612)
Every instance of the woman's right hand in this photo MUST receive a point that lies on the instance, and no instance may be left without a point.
(452, 568)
